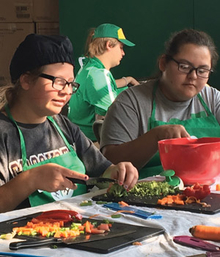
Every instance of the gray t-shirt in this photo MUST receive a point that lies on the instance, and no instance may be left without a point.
(43, 142)
(127, 118)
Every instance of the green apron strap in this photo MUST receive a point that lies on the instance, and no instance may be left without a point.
(154, 102)
(60, 132)
(23, 149)
(204, 105)
(69, 160)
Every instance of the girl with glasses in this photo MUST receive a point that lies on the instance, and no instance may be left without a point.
(176, 103)
(40, 148)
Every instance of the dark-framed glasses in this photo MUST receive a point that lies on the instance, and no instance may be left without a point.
(60, 83)
(187, 69)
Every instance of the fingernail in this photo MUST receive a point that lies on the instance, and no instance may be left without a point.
(125, 186)
(86, 177)
(120, 183)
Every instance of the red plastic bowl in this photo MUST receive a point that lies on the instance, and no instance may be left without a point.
(193, 160)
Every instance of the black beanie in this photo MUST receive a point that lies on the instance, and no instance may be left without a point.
(39, 50)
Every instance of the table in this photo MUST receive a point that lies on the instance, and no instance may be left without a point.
(174, 222)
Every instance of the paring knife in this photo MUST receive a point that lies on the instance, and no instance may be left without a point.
(73, 240)
(207, 254)
(92, 181)
(196, 243)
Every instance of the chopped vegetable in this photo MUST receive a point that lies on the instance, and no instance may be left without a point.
(217, 187)
(122, 203)
(86, 203)
(171, 199)
(106, 221)
(97, 231)
(55, 229)
(101, 202)
(206, 232)
(104, 226)
(8, 236)
(197, 190)
(87, 226)
(137, 243)
(153, 188)
(149, 188)
(65, 215)
(116, 216)
(116, 190)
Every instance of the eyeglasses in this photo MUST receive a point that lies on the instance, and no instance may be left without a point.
(187, 69)
(60, 83)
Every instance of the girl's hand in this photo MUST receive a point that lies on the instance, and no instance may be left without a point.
(126, 174)
(132, 81)
(53, 177)
(170, 131)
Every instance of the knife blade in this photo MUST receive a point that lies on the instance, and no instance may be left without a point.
(196, 243)
(92, 181)
(74, 240)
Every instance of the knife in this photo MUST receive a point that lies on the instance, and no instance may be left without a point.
(196, 243)
(73, 240)
(92, 181)
(207, 254)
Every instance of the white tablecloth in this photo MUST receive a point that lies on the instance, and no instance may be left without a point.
(174, 222)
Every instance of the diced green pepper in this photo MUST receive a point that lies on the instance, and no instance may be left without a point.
(116, 216)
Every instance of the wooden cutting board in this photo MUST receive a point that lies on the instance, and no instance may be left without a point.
(213, 200)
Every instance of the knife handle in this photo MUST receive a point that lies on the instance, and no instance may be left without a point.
(196, 243)
(77, 181)
(212, 254)
(25, 244)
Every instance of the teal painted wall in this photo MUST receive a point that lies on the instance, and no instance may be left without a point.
(147, 23)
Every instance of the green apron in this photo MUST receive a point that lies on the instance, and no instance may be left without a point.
(199, 125)
(68, 160)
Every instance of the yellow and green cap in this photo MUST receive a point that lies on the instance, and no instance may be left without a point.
(113, 31)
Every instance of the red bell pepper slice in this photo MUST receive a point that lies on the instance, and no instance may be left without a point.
(65, 215)
(197, 190)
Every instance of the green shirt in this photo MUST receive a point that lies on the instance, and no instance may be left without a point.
(96, 93)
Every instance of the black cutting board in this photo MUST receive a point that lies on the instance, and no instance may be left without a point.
(104, 246)
(151, 201)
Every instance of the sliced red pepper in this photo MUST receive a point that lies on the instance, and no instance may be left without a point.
(66, 215)
(197, 190)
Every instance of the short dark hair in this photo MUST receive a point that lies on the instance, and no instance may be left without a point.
(39, 50)
(191, 36)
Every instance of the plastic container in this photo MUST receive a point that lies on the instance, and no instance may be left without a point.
(193, 160)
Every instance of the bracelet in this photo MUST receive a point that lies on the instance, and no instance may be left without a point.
(125, 81)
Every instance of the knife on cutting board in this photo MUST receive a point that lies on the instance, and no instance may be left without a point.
(74, 240)
(92, 181)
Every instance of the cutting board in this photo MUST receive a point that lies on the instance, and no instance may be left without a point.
(103, 246)
(212, 199)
